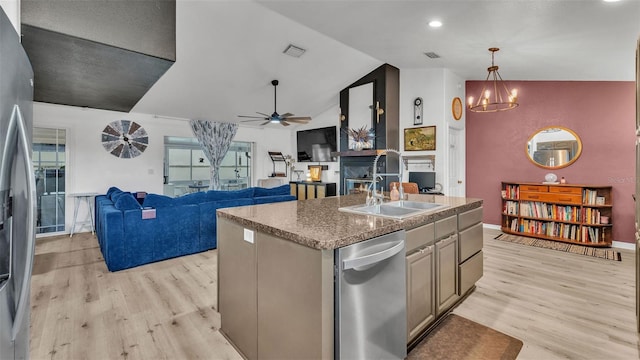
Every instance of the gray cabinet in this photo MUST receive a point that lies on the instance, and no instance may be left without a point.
(446, 255)
(470, 257)
(262, 301)
(421, 310)
(238, 302)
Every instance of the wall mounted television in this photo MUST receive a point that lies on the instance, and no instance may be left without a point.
(317, 144)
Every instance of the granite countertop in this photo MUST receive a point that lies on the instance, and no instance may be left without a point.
(317, 223)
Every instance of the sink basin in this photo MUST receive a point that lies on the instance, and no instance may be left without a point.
(395, 210)
(415, 205)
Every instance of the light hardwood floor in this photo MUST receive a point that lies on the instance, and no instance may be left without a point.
(560, 305)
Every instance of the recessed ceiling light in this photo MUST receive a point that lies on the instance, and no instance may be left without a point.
(611, 0)
(435, 23)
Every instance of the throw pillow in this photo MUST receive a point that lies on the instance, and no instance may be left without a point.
(111, 190)
(114, 195)
(126, 201)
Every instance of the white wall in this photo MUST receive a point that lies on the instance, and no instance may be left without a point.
(427, 84)
(329, 117)
(92, 169)
(12, 9)
(437, 88)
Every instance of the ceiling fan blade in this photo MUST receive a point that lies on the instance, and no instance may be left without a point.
(265, 123)
(263, 114)
(252, 117)
(284, 123)
(286, 115)
(299, 119)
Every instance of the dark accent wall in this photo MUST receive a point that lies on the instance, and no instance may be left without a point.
(601, 113)
(386, 88)
(98, 54)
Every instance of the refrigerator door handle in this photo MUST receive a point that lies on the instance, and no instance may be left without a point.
(23, 301)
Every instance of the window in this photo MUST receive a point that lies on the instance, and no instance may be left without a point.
(49, 160)
(186, 164)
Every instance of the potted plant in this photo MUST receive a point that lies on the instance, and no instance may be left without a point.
(361, 138)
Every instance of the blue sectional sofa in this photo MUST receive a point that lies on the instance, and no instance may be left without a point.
(137, 228)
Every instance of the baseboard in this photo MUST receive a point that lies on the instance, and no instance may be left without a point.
(615, 244)
(491, 226)
(623, 245)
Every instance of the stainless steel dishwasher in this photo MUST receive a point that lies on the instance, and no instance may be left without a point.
(370, 299)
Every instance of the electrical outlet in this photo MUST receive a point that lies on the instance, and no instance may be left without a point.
(248, 235)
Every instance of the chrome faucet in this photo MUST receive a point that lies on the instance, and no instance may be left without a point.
(375, 198)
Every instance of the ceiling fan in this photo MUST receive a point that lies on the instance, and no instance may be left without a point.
(276, 118)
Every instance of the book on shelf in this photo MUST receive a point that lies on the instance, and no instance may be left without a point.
(589, 197)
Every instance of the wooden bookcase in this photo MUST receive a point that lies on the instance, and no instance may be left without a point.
(578, 214)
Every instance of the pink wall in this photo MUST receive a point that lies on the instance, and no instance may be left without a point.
(601, 113)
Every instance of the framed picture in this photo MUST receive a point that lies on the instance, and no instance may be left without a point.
(420, 139)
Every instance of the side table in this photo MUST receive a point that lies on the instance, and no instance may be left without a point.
(77, 199)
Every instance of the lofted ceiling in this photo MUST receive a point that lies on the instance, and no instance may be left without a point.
(227, 52)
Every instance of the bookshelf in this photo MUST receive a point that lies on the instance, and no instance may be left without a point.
(578, 214)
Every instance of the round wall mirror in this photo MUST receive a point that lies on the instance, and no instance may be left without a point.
(554, 147)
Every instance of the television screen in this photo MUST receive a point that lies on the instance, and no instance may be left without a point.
(317, 144)
(426, 180)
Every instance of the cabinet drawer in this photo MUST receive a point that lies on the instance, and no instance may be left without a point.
(470, 272)
(565, 190)
(552, 197)
(470, 242)
(469, 218)
(446, 227)
(418, 237)
(543, 188)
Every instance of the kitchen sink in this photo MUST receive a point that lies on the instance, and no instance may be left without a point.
(407, 204)
(395, 209)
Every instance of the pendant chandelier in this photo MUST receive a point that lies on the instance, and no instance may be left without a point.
(494, 95)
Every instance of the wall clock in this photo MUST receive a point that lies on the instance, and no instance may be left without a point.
(125, 139)
(417, 111)
(456, 108)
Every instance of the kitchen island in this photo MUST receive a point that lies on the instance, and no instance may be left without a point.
(276, 269)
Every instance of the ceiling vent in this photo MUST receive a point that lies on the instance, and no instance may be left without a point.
(432, 55)
(294, 51)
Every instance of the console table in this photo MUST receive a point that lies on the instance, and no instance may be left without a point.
(77, 199)
(312, 190)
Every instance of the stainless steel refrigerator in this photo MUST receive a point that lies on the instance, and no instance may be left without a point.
(17, 193)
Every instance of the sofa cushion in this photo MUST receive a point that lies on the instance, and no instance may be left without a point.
(158, 201)
(280, 190)
(213, 195)
(273, 198)
(126, 201)
(191, 199)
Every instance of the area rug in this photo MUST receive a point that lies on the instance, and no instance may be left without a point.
(462, 339)
(604, 253)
